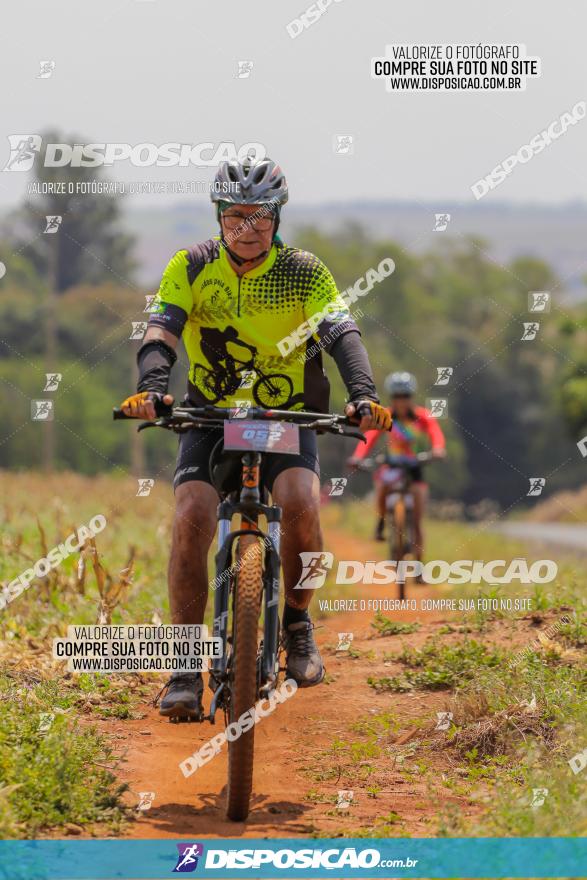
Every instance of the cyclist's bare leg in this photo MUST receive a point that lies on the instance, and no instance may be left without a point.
(382, 491)
(194, 526)
(420, 493)
(297, 492)
(381, 496)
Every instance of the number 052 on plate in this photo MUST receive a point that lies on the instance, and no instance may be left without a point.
(255, 436)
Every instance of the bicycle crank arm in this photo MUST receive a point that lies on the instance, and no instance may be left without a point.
(214, 705)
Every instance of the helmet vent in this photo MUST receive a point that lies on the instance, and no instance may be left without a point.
(257, 182)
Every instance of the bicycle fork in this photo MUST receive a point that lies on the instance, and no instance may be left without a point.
(250, 506)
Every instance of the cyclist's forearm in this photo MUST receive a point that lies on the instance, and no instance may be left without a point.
(353, 365)
(363, 449)
(435, 435)
(155, 359)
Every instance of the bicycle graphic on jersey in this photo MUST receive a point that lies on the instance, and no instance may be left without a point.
(227, 373)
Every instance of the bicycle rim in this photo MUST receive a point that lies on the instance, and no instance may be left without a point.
(244, 686)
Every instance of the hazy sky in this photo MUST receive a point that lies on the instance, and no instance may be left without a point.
(165, 70)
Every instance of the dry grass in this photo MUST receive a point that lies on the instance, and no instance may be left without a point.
(570, 506)
(476, 726)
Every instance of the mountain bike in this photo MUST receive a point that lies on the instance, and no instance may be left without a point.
(398, 476)
(247, 562)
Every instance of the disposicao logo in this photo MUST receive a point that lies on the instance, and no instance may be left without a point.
(187, 860)
(24, 149)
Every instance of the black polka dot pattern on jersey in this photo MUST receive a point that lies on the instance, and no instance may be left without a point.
(293, 275)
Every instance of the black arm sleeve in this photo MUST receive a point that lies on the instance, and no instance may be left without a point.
(353, 365)
(155, 359)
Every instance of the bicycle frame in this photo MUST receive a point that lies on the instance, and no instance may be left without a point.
(403, 489)
(250, 506)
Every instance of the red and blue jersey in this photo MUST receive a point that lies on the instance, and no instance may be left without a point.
(417, 433)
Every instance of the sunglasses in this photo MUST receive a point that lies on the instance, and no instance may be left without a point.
(233, 221)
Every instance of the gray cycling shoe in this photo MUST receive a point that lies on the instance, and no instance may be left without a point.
(303, 661)
(183, 696)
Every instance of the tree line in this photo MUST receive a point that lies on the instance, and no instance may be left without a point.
(516, 407)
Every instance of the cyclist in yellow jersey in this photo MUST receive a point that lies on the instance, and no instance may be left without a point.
(234, 299)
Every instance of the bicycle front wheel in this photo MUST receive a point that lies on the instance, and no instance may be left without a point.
(244, 686)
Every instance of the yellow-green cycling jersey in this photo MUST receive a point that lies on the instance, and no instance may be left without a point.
(254, 339)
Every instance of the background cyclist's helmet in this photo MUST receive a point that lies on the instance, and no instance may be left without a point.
(397, 384)
(249, 181)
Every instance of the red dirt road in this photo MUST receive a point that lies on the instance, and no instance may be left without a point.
(289, 745)
(285, 743)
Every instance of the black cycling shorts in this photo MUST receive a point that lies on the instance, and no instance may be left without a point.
(195, 447)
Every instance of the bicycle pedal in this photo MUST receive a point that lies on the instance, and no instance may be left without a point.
(180, 719)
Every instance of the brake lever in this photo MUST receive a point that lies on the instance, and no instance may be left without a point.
(162, 422)
(339, 429)
(356, 434)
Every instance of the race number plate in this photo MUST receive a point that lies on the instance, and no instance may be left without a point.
(258, 436)
(393, 476)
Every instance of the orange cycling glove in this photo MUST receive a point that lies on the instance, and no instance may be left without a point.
(379, 414)
(135, 401)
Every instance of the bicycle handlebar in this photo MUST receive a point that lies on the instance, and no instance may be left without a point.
(182, 418)
(401, 461)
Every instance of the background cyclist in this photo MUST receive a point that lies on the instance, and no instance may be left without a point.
(414, 430)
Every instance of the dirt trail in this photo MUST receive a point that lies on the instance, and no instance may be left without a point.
(288, 745)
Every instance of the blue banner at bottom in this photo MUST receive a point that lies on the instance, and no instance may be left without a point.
(309, 858)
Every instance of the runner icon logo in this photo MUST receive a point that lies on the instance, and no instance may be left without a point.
(537, 484)
(444, 719)
(145, 486)
(146, 799)
(187, 860)
(52, 381)
(23, 150)
(444, 374)
(441, 222)
(337, 485)
(344, 641)
(345, 799)
(539, 795)
(315, 567)
(53, 222)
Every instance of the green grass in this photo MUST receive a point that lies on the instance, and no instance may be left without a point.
(384, 626)
(67, 774)
(47, 779)
(437, 666)
(515, 730)
(514, 727)
(62, 503)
